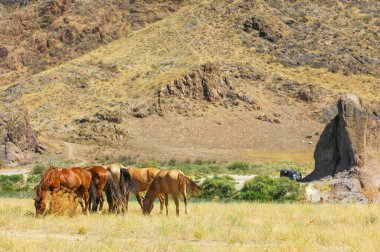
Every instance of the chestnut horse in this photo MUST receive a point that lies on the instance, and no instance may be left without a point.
(137, 180)
(167, 182)
(98, 182)
(75, 180)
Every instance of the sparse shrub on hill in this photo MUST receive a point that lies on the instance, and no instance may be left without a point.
(265, 189)
(239, 167)
(218, 187)
(39, 169)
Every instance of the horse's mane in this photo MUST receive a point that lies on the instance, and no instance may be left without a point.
(129, 182)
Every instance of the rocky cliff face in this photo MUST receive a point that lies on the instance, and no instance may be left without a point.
(17, 140)
(348, 145)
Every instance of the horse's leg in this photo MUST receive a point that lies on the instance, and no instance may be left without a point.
(101, 200)
(126, 200)
(176, 201)
(166, 203)
(109, 199)
(138, 197)
(161, 199)
(185, 201)
(85, 197)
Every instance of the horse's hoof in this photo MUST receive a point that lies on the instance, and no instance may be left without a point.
(99, 212)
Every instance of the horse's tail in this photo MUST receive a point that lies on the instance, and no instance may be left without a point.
(94, 197)
(186, 183)
(113, 190)
(130, 185)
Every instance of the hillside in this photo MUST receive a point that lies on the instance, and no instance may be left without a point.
(225, 80)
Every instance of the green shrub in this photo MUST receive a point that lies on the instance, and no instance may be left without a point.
(39, 169)
(239, 166)
(265, 188)
(221, 187)
(11, 178)
(7, 185)
(33, 179)
(198, 162)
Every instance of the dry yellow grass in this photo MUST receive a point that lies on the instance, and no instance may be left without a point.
(209, 227)
(161, 52)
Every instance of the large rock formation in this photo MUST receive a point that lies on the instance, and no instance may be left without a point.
(349, 145)
(17, 140)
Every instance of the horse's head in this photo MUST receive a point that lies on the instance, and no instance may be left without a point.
(147, 206)
(40, 205)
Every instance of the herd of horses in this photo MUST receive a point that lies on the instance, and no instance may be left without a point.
(88, 184)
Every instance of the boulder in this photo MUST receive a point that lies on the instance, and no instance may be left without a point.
(348, 146)
(18, 143)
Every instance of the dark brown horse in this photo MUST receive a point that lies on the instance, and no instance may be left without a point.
(98, 183)
(137, 180)
(167, 182)
(75, 180)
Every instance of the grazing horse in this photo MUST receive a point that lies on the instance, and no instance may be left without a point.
(137, 180)
(98, 182)
(168, 182)
(75, 180)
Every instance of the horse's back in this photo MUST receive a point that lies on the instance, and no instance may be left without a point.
(100, 171)
(166, 181)
(114, 169)
(75, 177)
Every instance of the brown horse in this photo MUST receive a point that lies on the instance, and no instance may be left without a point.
(168, 182)
(75, 180)
(137, 180)
(98, 182)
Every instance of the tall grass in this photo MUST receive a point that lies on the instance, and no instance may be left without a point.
(210, 226)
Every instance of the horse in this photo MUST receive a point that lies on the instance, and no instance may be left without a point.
(137, 180)
(75, 179)
(116, 203)
(98, 182)
(167, 182)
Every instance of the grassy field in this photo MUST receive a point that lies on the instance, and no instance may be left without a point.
(211, 226)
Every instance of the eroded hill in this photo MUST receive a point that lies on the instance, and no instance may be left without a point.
(252, 80)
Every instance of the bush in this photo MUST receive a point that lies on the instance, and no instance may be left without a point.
(221, 187)
(7, 185)
(39, 169)
(238, 166)
(265, 188)
(33, 179)
(11, 178)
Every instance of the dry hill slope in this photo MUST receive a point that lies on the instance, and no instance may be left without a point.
(275, 70)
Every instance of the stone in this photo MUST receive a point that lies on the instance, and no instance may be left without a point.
(18, 143)
(348, 145)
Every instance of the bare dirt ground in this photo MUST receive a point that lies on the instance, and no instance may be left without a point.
(222, 137)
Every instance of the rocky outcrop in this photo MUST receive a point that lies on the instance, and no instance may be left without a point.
(18, 143)
(348, 145)
(265, 30)
(103, 125)
(208, 83)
